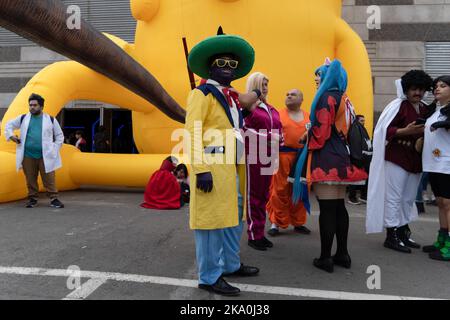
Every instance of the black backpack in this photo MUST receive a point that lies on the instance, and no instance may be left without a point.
(359, 144)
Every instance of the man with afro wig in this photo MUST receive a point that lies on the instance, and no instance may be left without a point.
(396, 166)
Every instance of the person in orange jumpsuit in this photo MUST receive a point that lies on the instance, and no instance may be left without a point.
(282, 212)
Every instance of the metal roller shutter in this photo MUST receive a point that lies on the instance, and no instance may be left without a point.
(437, 60)
(107, 16)
(113, 17)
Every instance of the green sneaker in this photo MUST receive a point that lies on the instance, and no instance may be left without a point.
(438, 245)
(444, 253)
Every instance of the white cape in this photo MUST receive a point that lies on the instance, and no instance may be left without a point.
(377, 178)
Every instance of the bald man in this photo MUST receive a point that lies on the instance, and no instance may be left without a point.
(282, 212)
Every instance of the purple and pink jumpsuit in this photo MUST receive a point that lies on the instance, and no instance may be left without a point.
(262, 126)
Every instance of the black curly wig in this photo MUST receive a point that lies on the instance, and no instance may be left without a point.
(418, 79)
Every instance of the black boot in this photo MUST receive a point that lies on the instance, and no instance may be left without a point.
(393, 242)
(325, 264)
(420, 207)
(342, 260)
(404, 234)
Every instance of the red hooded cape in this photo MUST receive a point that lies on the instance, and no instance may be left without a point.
(163, 190)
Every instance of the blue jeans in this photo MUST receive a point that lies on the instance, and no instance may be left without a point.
(217, 251)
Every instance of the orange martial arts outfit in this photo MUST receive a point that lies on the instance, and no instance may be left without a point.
(280, 208)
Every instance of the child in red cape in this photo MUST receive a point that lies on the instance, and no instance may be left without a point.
(163, 190)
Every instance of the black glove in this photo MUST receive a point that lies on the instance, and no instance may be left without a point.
(440, 124)
(205, 182)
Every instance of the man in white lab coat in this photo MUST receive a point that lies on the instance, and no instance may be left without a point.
(38, 148)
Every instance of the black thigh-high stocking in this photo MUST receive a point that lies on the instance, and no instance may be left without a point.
(342, 226)
(327, 224)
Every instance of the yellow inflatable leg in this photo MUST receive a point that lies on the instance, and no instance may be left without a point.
(59, 84)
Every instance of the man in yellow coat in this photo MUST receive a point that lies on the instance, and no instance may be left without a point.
(213, 125)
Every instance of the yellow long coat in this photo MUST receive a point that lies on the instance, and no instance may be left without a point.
(208, 127)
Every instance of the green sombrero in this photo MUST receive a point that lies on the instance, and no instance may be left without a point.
(200, 55)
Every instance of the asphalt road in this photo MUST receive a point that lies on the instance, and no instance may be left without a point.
(126, 252)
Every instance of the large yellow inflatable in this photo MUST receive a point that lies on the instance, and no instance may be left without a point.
(291, 39)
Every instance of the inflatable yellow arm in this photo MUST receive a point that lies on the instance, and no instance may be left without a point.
(351, 51)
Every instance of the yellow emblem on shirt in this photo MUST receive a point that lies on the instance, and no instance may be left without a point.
(437, 153)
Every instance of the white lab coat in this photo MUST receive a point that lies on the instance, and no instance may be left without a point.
(52, 140)
(376, 194)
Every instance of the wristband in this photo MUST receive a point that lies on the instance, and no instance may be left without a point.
(258, 92)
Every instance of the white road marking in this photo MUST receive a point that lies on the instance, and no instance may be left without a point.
(85, 290)
(295, 292)
(183, 293)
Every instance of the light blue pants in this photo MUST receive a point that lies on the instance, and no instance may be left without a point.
(218, 250)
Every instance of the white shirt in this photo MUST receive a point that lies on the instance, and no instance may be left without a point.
(436, 148)
(234, 111)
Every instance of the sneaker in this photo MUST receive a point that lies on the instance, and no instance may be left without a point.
(273, 232)
(444, 253)
(436, 246)
(302, 230)
(362, 200)
(353, 201)
(31, 203)
(55, 203)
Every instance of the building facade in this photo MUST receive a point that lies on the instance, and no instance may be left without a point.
(412, 34)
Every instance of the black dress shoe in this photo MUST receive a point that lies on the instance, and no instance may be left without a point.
(221, 287)
(302, 230)
(324, 264)
(267, 242)
(257, 244)
(244, 271)
(342, 261)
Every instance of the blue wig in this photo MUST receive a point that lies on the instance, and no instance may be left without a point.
(333, 78)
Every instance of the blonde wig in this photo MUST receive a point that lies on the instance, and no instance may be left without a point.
(255, 81)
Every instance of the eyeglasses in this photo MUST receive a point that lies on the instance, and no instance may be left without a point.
(221, 63)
